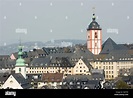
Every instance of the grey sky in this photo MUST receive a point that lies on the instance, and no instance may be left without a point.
(64, 19)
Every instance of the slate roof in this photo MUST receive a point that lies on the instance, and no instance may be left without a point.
(4, 77)
(100, 71)
(34, 77)
(7, 63)
(58, 50)
(94, 25)
(80, 82)
(87, 63)
(2, 57)
(110, 45)
(92, 84)
(77, 77)
(40, 62)
(61, 61)
(54, 55)
(98, 76)
(21, 80)
(82, 54)
(118, 55)
(54, 62)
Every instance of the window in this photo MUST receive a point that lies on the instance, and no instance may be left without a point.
(11, 81)
(95, 34)
(19, 69)
(95, 44)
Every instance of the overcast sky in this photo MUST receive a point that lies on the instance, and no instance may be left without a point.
(44, 20)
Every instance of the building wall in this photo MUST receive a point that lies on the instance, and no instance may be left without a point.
(112, 68)
(11, 83)
(50, 69)
(94, 41)
(23, 70)
(80, 68)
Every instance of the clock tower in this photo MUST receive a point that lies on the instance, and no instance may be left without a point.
(94, 37)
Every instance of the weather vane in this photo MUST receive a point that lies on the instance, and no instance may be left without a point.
(93, 9)
(20, 41)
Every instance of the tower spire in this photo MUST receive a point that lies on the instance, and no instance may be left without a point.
(19, 41)
(93, 10)
(20, 66)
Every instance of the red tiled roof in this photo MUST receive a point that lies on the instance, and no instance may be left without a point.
(52, 77)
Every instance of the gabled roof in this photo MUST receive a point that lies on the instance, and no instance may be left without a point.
(110, 45)
(21, 80)
(118, 55)
(82, 54)
(61, 61)
(4, 57)
(4, 77)
(40, 62)
(7, 63)
(87, 63)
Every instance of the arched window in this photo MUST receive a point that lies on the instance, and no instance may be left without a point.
(95, 34)
(19, 69)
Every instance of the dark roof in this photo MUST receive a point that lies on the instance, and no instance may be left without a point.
(94, 25)
(4, 77)
(34, 77)
(40, 62)
(82, 54)
(110, 45)
(77, 77)
(100, 71)
(21, 80)
(52, 77)
(98, 76)
(118, 55)
(2, 57)
(87, 63)
(7, 63)
(50, 61)
(54, 55)
(61, 61)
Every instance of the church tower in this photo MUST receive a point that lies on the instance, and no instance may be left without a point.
(94, 37)
(20, 66)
